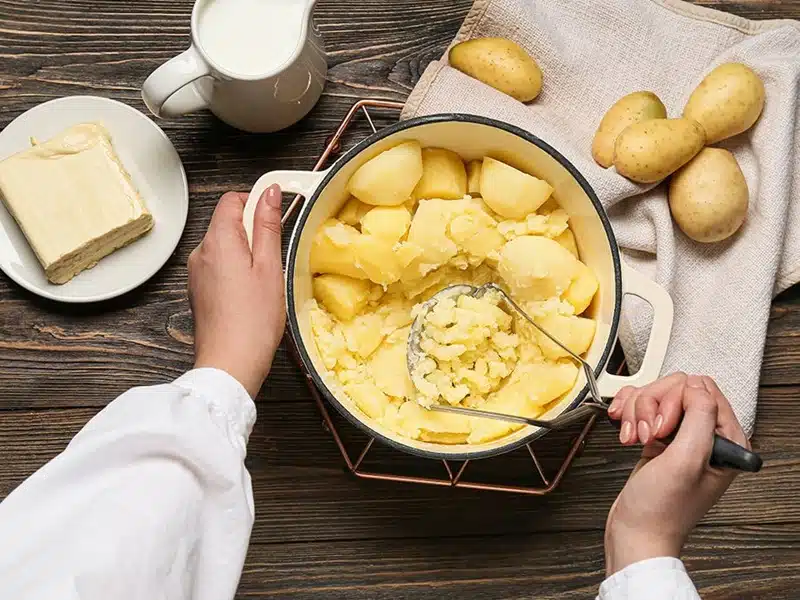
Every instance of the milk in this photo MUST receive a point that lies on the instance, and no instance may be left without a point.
(250, 38)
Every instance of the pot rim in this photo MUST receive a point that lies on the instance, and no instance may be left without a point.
(293, 323)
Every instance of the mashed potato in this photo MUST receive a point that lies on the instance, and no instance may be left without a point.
(374, 265)
(469, 350)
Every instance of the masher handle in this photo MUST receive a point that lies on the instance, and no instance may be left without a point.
(725, 454)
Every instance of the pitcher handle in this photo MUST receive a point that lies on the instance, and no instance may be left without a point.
(160, 89)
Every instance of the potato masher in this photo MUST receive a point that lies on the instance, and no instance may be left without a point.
(725, 453)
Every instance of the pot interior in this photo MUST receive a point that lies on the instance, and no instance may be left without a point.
(472, 138)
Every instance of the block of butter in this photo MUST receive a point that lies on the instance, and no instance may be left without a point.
(73, 200)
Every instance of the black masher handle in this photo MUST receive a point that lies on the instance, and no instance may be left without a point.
(725, 453)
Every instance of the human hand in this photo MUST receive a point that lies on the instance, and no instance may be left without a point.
(672, 487)
(237, 295)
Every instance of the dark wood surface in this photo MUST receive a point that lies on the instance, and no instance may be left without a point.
(320, 533)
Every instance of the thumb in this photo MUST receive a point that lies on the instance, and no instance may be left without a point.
(695, 438)
(267, 226)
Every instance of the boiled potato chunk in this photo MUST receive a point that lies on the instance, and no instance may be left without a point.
(582, 289)
(550, 206)
(368, 397)
(342, 296)
(536, 268)
(499, 63)
(650, 151)
(443, 175)
(352, 211)
(727, 102)
(431, 426)
(389, 178)
(377, 258)
(429, 232)
(630, 109)
(333, 250)
(509, 192)
(567, 239)
(709, 196)
(389, 369)
(476, 233)
(540, 383)
(474, 177)
(386, 222)
(576, 333)
(363, 334)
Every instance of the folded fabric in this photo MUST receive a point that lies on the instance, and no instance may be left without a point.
(592, 53)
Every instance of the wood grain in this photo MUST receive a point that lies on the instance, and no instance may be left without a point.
(320, 532)
(289, 445)
(556, 566)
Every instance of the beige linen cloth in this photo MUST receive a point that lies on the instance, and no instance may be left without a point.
(592, 52)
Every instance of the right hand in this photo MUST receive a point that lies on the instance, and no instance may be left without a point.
(672, 487)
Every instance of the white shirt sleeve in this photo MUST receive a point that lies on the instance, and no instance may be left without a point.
(150, 501)
(653, 579)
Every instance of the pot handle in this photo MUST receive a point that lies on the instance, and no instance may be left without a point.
(304, 183)
(636, 284)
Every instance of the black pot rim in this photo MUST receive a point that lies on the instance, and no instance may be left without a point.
(291, 259)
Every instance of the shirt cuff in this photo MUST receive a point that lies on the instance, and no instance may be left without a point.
(227, 400)
(654, 578)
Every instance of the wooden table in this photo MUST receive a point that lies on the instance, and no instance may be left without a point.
(320, 533)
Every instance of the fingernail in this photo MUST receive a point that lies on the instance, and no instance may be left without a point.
(626, 432)
(272, 196)
(644, 432)
(693, 381)
(659, 422)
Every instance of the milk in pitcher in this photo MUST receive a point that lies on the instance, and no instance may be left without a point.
(251, 38)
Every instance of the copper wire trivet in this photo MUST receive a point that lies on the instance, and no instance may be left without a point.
(453, 476)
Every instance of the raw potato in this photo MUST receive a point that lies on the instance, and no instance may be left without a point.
(727, 102)
(509, 192)
(630, 109)
(709, 196)
(443, 175)
(474, 177)
(389, 178)
(386, 222)
(499, 63)
(342, 296)
(333, 250)
(352, 211)
(649, 151)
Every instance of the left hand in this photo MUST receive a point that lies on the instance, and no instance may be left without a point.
(237, 295)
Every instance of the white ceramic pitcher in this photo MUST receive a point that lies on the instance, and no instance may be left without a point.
(251, 100)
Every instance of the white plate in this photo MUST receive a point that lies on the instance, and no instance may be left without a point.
(157, 173)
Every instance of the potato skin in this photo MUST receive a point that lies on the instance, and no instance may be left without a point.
(727, 102)
(708, 197)
(630, 109)
(499, 63)
(649, 151)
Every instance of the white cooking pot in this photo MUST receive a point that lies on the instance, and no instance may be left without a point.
(472, 137)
